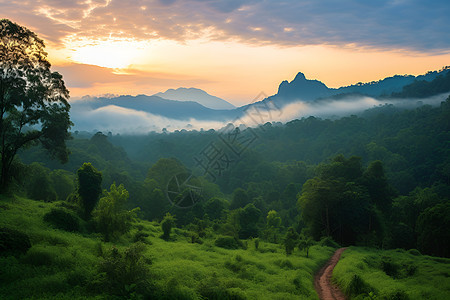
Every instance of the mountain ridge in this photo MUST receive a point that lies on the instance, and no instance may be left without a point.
(303, 89)
(196, 95)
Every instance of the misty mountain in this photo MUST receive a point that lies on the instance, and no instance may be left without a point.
(303, 89)
(196, 95)
(179, 110)
(296, 99)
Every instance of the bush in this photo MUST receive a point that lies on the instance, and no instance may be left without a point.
(141, 236)
(227, 242)
(13, 242)
(414, 252)
(357, 286)
(216, 289)
(195, 238)
(166, 225)
(62, 219)
(126, 273)
(38, 257)
(396, 295)
(256, 243)
(327, 241)
(389, 267)
(410, 270)
(286, 264)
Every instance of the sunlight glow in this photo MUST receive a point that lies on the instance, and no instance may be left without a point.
(111, 53)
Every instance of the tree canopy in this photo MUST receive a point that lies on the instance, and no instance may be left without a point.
(34, 104)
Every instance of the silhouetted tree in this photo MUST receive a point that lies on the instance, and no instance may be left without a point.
(33, 100)
(89, 187)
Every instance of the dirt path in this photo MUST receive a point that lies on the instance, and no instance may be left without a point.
(322, 281)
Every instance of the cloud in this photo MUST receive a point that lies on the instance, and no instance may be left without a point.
(98, 80)
(344, 107)
(388, 24)
(117, 119)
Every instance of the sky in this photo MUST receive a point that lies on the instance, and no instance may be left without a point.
(233, 49)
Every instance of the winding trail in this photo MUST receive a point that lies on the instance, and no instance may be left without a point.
(322, 282)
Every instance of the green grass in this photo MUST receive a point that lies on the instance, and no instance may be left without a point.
(392, 274)
(64, 264)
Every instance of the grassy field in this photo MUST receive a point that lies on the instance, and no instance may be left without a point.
(366, 273)
(75, 265)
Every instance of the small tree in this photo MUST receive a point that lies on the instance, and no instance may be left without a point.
(272, 226)
(290, 240)
(34, 104)
(39, 185)
(125, 274)
(63, 182)
(166, 224)
(110, 216)
(89, 187)
(305, 244)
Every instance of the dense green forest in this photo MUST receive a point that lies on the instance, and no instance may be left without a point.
(378, 180)
(388, 167)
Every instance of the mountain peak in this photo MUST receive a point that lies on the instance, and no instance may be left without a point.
(302, 88)
(299, 77)
(195, 95)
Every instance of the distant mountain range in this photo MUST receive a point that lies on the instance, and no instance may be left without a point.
(174, 109)
(196, 95)
(187, 104)
(302, 89)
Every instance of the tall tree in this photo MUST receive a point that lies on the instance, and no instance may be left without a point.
(334, 203)
(89, 187)
(34, 104)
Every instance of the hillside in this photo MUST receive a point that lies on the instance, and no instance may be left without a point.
(78, 265)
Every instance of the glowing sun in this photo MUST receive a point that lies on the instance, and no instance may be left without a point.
(115, 54)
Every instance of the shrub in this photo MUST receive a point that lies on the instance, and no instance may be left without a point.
(410, 270)
(13, 242)
(327, 241)
(357, 286)
(123, 274)
(195, 238)
(396, 295)
(414, 252)
(286, 264)
(300, 286)
(389, 267)
(227, 242)
(166, 225)
(141, 236)
(38, 257)
(216, 289)
(62, 219)
(290, 240)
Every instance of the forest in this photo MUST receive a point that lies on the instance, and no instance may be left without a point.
(236, 213)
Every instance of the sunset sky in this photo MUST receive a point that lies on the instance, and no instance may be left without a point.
(233, 49)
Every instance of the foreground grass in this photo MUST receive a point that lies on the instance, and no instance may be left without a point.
(392, 274)
(64, 265)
